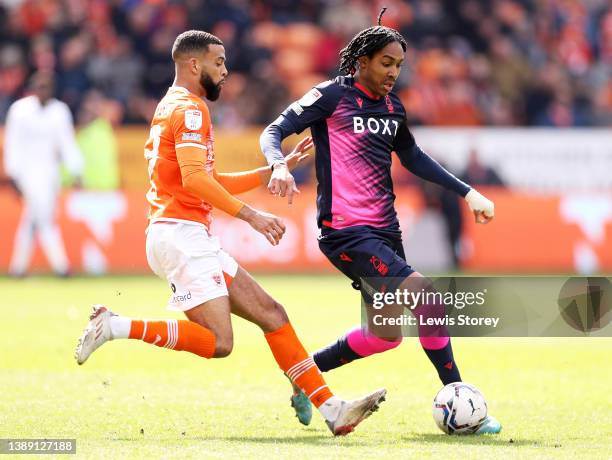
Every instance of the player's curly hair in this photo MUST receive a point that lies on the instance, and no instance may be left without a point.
(367, 43)
(193, 41)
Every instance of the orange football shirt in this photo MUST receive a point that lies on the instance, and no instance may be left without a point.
(181, 120)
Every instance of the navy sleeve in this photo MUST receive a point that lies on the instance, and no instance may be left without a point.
(422, 165)
(272, 137)
(316, 105)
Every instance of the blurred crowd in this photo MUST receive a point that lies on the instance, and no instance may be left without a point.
(469, 62)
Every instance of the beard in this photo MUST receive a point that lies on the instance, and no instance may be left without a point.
(212, 91)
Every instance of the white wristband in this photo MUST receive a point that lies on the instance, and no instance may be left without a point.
(480, 203)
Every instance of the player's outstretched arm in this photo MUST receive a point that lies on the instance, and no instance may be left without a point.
(422, 165)
(197, 181)
(429, 169)
(240, 182)
(244, 181)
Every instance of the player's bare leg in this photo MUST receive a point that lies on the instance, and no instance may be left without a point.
(250, 301)
(252, 310)
(214, 315)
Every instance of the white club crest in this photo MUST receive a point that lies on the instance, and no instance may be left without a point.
(193, 119)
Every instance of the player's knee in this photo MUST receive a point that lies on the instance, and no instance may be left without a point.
(224, 347)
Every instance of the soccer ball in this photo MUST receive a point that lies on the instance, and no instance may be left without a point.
(459, 408)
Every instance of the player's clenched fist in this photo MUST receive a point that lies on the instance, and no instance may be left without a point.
(267, 224)
(482, 207)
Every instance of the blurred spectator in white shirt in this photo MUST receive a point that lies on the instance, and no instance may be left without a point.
(39, 138)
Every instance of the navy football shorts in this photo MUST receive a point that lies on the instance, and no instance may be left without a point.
(362, 251)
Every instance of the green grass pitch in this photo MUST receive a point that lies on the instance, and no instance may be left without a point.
(133, 400)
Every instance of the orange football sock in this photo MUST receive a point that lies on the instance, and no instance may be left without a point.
(297, 364)
(175, 334)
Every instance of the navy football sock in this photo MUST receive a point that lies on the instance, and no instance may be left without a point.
(444, 362)
(335, 355)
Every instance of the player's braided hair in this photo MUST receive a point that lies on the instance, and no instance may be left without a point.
(366, 43)
(193, 41)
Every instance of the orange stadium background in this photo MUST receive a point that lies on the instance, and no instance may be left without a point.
(527, 115)
(105, 232)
